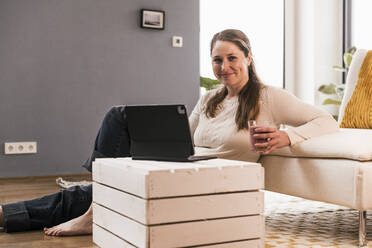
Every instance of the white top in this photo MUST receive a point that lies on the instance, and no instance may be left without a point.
(219, 136)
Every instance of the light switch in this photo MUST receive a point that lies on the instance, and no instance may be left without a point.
(177, 41)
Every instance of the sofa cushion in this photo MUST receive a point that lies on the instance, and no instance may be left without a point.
(358, 112)
(355, 144)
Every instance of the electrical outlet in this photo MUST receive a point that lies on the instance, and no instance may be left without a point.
(20, 147)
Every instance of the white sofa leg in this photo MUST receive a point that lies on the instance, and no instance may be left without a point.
(362, 228)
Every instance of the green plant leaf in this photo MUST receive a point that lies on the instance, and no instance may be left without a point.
(331, 101)
(352, 50)
(347, 59)
(208, 83)
(328, 89)
(339, 68)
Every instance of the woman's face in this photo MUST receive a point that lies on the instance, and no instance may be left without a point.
(230, 66)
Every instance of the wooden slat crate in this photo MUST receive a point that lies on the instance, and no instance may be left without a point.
(152, 204)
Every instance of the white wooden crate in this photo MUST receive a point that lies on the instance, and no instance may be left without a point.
(105, 238)
(155, 179)
(150, 204)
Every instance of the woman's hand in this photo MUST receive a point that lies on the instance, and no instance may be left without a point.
(274, 139)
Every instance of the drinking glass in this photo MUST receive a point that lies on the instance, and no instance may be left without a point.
(253, 124)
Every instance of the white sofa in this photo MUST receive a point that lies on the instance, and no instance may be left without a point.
(334, 168)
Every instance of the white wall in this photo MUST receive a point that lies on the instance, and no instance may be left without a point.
(313, 45)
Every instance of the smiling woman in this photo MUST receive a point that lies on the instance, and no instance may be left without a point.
(234, 67)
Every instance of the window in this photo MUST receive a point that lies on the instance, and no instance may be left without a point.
(361, 20)
(261, 20)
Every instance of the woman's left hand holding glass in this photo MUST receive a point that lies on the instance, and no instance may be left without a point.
(274, 138)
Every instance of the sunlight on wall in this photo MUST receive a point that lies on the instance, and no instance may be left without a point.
(260, 20)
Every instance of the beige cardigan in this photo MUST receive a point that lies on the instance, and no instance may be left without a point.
(219, 136)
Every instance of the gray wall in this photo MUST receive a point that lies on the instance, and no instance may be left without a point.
(63, 63)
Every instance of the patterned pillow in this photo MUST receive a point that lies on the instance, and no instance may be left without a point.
(358, 111)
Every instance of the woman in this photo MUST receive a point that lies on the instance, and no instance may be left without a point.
(220, 119)
(219, 125)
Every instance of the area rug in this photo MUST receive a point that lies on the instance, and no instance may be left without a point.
(296, 222)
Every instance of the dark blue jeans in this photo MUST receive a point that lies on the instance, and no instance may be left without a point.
(112, 141)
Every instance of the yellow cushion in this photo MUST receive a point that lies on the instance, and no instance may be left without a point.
(358, 111)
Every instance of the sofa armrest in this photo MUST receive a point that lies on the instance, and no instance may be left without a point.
(355, 144)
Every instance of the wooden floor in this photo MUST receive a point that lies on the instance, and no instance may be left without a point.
(28, 188)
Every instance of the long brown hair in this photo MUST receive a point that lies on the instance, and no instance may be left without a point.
(249, 95)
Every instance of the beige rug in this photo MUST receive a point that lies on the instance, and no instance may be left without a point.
(296, 222)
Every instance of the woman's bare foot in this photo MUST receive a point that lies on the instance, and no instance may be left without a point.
(78, 226)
